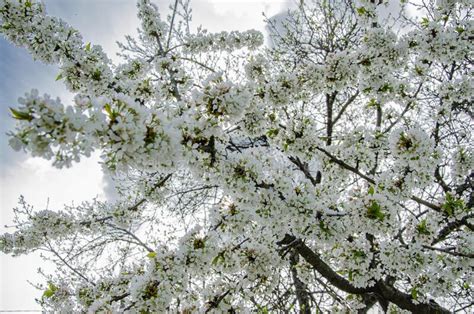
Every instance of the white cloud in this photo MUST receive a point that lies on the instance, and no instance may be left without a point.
(218, 15)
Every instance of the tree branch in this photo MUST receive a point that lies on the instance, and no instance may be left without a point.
(370, 180)
(381, 289)
(324, 269)
(300, 288)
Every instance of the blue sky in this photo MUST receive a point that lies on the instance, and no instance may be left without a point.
(101, 22)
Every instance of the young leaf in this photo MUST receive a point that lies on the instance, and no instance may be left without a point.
(20, 115)
(361, 11)
(422, 228)
(218, 259)
(374, 211)
(425, 22)
(371, 190)
(108, 109)
(48, 293)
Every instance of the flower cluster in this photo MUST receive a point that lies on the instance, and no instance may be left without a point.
(46, 128)
(226, 41)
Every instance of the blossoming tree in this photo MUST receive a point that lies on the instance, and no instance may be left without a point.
(332, 172)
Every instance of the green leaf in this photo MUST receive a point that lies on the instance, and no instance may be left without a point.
(218, 259)
(373, 103)
(262, 310)
(412, 44)
(359, 254)
(386, 88)
(452, 205)
(422, 228)
(365, 62)
(272, 133)
(419, 258)
(108, 109)
(419, 70)
(48, 293)
(374, 211)
(20, 115)
(151, 255)
(361, 11)
(199, 244)
(371, 190)
(7, 25)
(96, 75)
(28, 4)
(414, 293)
(425, 22)
(88, 46)
(59, 77)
